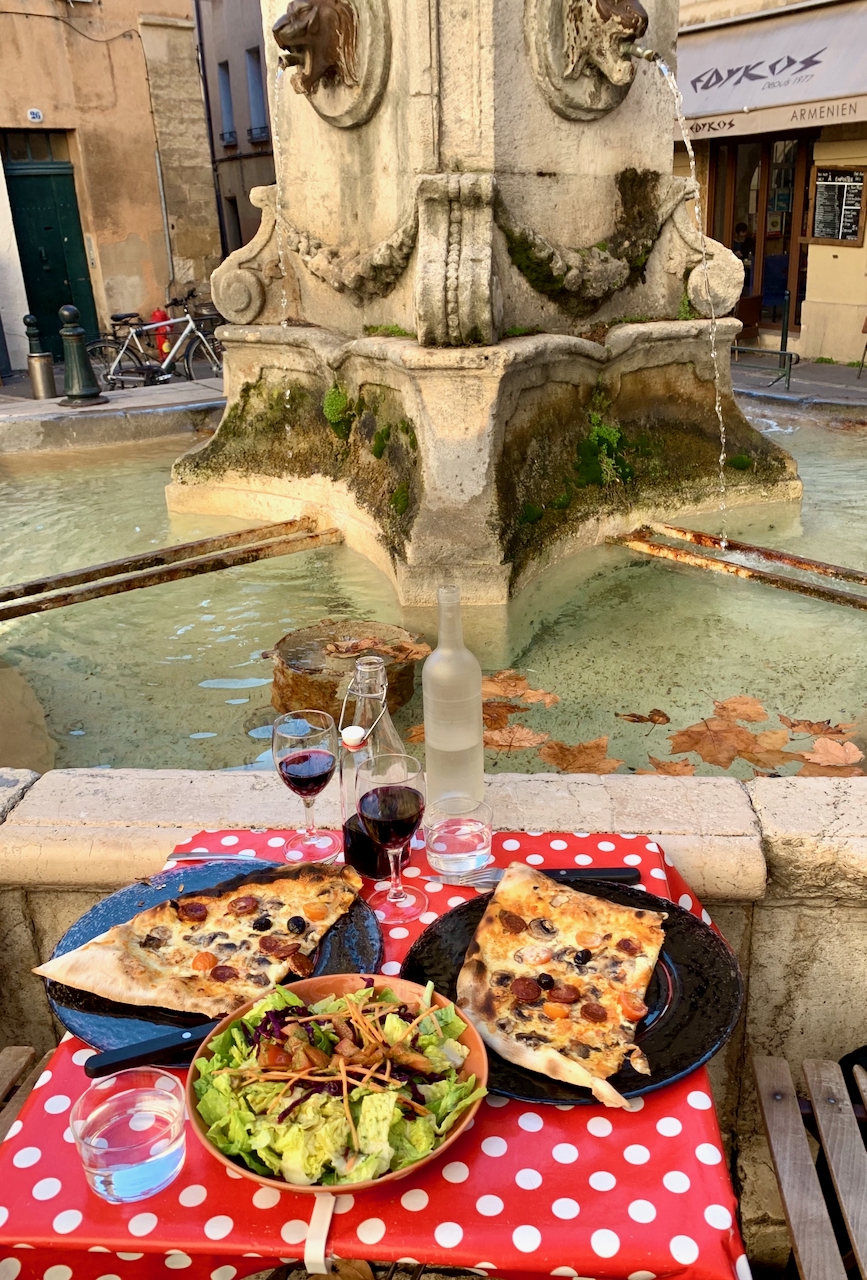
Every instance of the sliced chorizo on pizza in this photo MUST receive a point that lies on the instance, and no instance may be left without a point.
(554, 980)
(209, 952)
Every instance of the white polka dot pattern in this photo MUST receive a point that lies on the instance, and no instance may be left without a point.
(535, 1189)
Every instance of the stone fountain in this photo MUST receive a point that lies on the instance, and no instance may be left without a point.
(472, 329)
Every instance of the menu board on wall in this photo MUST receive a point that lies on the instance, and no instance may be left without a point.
(837, 213)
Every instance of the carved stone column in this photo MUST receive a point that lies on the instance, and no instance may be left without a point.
(456, 290)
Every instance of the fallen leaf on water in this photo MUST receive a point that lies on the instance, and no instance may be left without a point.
(540, 695)
(741, 707)
(830, 771)
(584, 757)
(415, 734)
(717, 740)
(669, 768)
(822, 727)
(495, 715)
(655, 716)
(511, 684)
(515, 737)
(505, 684)
(828, 752)
(768, 752)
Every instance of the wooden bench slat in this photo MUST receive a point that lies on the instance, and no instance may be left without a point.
(14, 1061)
(9, 1114)
(841, 1138)
(860, 1076)
(815, 1246)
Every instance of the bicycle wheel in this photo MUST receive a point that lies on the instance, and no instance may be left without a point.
(115, 367)
(203, 357)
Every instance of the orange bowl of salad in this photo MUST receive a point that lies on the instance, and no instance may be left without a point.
(337, 1083)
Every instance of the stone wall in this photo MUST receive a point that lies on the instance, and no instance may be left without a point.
(780, 863)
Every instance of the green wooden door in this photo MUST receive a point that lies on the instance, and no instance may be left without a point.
(51, 246)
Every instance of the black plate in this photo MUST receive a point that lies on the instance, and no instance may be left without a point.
(694, 997)
(352, 945)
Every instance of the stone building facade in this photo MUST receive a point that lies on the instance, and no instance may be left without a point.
(106, 160)
(233, 58)
(776, 103)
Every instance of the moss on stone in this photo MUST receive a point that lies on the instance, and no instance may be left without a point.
(284, 430)
(386, 331)
(575, 453)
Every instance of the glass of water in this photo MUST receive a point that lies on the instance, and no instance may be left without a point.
(457, 835)
(129, 1131)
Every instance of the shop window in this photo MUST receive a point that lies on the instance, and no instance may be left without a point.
(758, 199)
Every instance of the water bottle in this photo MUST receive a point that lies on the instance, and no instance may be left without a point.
(452, 688)
(371, 733)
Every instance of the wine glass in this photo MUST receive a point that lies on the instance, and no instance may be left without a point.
(390, 794)
(304, 746)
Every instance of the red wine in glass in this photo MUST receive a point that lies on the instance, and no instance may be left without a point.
(307, 772)
(367, 857)
(304, 746)
(391, 813)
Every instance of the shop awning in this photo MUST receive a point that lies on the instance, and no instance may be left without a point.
(787, 71)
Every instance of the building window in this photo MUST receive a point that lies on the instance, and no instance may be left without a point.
(258, 131)
(228, 137)
(33, 146)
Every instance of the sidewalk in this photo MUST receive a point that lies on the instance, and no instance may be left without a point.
(141, 413)
(831, 385)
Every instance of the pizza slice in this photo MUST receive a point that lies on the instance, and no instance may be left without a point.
(554, 980)
(209, 952)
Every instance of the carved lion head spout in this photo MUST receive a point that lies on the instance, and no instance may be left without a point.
(321, 37)
(594, 35)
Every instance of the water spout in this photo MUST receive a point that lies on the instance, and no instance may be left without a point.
(638, 51)
(668, 76)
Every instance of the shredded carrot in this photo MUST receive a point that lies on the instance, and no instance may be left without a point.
(408, 1102)
(388, 1068)
(343, 1081)
(415, 1022)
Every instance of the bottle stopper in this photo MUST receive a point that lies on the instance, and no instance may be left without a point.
(353, 737)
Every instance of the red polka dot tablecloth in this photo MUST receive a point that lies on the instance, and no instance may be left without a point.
(580, 1191)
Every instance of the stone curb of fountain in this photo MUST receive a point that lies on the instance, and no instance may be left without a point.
(81, 829)
(13, 785)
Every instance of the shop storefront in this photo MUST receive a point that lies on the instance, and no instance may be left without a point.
(777, 111)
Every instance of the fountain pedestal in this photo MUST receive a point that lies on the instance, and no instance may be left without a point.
(490, 180)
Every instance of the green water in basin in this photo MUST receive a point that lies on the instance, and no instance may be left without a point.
(171, 676)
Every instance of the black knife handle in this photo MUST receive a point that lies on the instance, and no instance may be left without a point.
(617, 875)
(176, 1044)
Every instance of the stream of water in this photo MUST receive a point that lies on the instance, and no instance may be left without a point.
(171, 677)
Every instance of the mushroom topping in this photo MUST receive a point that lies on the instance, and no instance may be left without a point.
(223, 973)
(543, 928)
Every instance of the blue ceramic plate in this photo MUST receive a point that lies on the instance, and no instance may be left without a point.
(352, 945)
(694, 997)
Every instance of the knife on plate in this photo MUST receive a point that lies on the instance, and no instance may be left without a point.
(174, 1046)
(569, 875)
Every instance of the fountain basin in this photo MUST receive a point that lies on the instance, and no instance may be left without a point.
(484, 464)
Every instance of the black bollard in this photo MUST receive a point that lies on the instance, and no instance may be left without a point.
(40, 364)
(79, 381)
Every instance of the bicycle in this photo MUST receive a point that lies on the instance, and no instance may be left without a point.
(125, 360)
